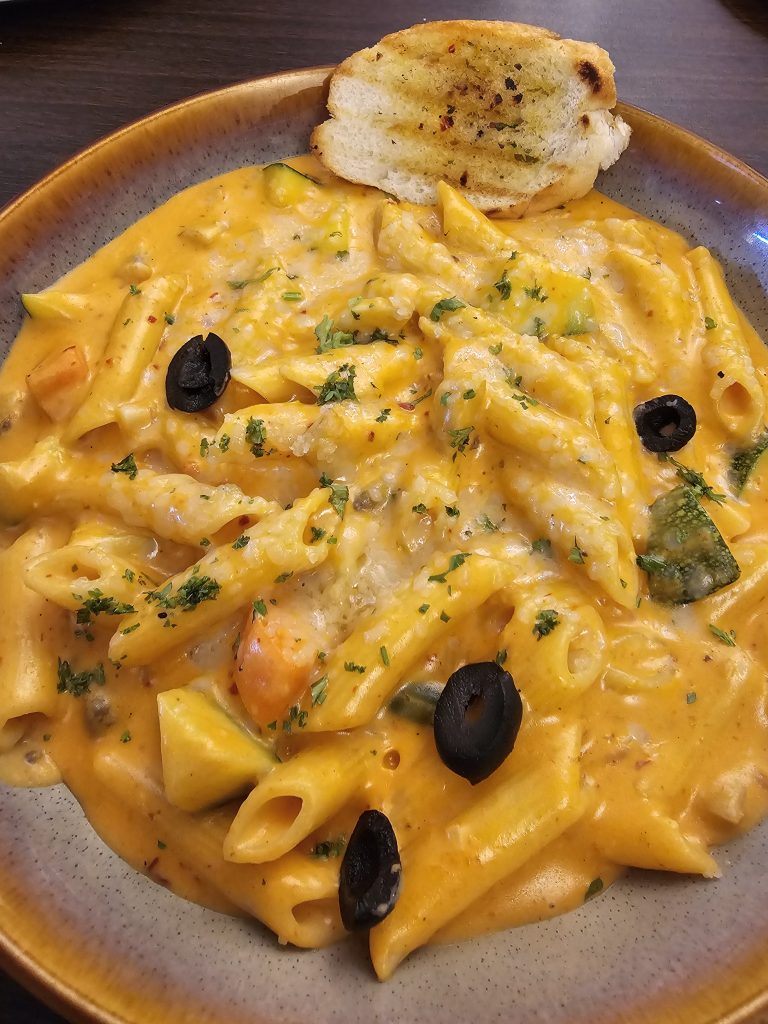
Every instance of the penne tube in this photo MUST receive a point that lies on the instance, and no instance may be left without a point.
(377, 367)
(133, 340)
(734, 386)
(296, 896)
(172, 505)
(219, 584)
(584, 528)
(30, 630)
(515, 818)
(297, 797)
(556, 642)
(466, 227)
(364, 670)
(95, 559)
(609, 382)
(517, 420)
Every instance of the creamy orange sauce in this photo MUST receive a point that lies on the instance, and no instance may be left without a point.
(581, 314)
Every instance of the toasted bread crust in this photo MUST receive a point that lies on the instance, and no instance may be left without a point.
(512, 115)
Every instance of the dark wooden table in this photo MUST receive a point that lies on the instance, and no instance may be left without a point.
(73, 70)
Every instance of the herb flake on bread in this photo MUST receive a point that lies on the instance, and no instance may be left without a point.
(516, 118)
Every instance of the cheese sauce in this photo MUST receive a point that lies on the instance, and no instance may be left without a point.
(672, 749)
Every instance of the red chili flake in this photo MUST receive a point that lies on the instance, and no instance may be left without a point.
(151, 319)
(243, 520)
(152, 864)
(446, 121)
(408, 406)
(452, 48)
(233, 689)
(371, 435)
(496, 100)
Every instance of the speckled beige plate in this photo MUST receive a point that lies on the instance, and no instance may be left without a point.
(102, 943)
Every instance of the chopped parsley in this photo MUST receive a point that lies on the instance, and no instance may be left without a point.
(97, 604)
(191, 593)
(459, 438)
(594, 887)
(535, 292)
(242, 541)
(503, 286)
(134, 290)
(339, 386)
(283, 577)
(170, 319)
(383, 415)
(384, 656)
(126, 465)
(453, 511)
(351, 666)
(487, 524)
(328, 339)
(259, 607)
(418, 354)
(329, 848)
(444, 617)
(694, 480)
(419, 509)
(709, 323)
(78, 683)
(317, 533)
(338, 497)
(319, 690)
(292, 296)
(546, 621)
(729, 639)
(126, 737)
(577, 554)
(501, 656)
(445, 397)
(130, 629)
(239, 285)
(256, 436)
(445, 306)
(454, 562)
(542, 546)
(690, 698)
(129, 575)
(468, 394)
(495, 349)
(423, 608)
(538, 327)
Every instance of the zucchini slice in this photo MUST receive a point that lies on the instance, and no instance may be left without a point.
(686, 558)
(285, 186)
(745, 460)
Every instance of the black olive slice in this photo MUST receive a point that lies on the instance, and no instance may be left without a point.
(198, 374)
(369, 880)
(665, 424)
(477, 720)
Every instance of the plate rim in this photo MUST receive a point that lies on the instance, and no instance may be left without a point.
(21, 964)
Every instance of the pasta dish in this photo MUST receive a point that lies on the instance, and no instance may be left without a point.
(378, 566)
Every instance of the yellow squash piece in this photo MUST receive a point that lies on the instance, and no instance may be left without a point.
(207, 757)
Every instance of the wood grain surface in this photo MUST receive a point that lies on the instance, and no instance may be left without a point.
(74, 70)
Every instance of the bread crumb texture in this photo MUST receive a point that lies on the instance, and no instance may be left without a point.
(514, 116)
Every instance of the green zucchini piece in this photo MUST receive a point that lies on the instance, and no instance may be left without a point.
(285, 186)
(744, 461)
(416, 701)
(686, 558)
